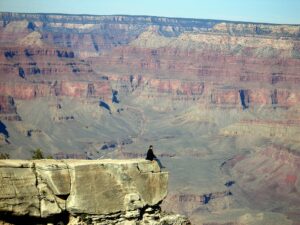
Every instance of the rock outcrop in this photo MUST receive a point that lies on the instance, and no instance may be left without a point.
(84, 192)
(76, 89)
(8, 109)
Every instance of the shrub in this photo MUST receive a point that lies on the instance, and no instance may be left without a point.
(37, 154)
(4, 156)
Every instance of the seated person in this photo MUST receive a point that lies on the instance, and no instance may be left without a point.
(150, 156)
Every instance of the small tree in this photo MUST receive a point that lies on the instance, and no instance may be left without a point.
(4, 156)
(37, 154)
(49, 157)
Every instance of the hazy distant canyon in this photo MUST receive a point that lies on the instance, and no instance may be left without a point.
(219, 101)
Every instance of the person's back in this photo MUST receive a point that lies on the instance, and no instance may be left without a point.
(150, 155)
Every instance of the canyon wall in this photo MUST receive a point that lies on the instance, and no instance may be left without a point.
(236, 64)
(273, 168)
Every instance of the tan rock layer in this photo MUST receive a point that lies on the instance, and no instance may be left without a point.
(45, 188)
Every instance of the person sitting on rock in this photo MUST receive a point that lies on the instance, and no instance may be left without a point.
(150, 156)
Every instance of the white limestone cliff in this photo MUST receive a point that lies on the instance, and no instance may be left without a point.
(87, 191)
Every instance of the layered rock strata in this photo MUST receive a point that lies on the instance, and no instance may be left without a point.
(274, 168)
(8, 109)
(89, 35)
(232, 64)
(76, 89)
(91, 192)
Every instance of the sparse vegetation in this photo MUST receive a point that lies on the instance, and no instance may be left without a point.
(4, 156)
(37, 154)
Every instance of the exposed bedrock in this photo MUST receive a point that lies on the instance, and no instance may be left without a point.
(256, 96)
(91, 191)
(284, 130)
(88, 35)
(200, 60)
(29, 62)
(273, 168)
(28, 90)
(7, 105)
(8, 109)
(220, 78)
(207, 93)
(189, 203)
(204, 63)
(224, 63)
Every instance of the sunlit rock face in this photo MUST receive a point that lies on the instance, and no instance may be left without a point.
(104, 190)
(226, 57)
(205, 93)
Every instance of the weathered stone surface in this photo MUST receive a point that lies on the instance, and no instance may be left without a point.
(133, 201)
(115, 190)
(92, 183)
(56, 175)
(174, 220)
(136, 217)
(18, 191)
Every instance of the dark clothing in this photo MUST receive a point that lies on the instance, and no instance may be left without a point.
(150, 155)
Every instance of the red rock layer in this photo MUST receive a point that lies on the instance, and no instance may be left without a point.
(23, 62)
(203, 65)
(7, 105)
(189, 203)
(274, 168)
(8, 109)
(83, 89)
(219, 78)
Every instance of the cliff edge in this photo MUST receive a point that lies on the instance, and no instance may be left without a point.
(83, 192)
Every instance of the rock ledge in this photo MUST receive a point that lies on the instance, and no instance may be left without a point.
(83, 192)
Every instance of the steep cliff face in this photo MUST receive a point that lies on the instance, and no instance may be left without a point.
(231, 68)
(7, 105)
(218, 54)
(104, 32)
(8, 109)
(93, 192)
(77, 89)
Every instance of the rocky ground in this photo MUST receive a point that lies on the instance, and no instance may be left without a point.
(83, 192)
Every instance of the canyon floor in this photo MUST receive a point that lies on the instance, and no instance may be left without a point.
(219, 101)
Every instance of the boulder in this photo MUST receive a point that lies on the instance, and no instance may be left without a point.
(102, 187)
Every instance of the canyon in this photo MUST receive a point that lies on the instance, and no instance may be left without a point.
(219, 100)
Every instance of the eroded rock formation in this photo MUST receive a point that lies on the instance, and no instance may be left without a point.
(217, 63)
(274, 168)
(91, 192)
(8, 109)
